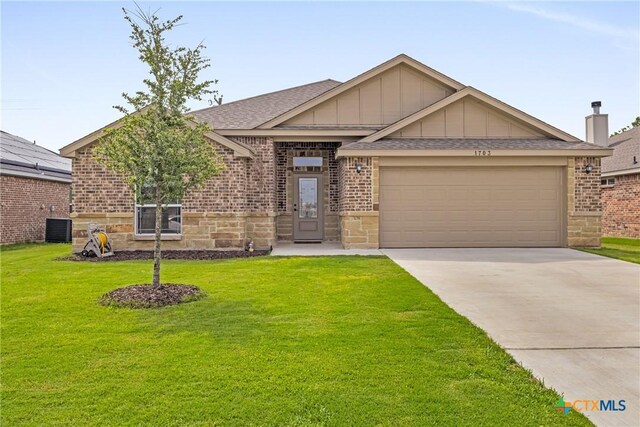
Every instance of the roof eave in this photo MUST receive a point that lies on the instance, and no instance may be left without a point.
(473, 153)
(32, 175)
(621, 172)
(240, 150)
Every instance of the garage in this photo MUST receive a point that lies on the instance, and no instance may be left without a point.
(507, 206)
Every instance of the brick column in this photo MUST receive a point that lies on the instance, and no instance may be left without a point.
(583, 202)
(261, 193)
(359, 216)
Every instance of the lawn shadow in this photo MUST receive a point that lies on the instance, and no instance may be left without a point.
(225, 320)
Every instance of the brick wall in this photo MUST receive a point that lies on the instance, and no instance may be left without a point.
(226, 192)
(95, 188)
(584, 209)
(587, 188)
(359, 217)
(621, 207)
(26, 203)
(244, 185)
(236, 206)
(356, 191)
(261, 175)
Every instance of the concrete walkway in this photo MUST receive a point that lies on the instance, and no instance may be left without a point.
(570, 317)
(318, 249)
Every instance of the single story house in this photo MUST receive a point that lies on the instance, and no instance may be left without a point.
(621, 186)
(35, 185)
(399, 156)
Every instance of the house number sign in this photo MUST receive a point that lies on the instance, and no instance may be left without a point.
(483, 153)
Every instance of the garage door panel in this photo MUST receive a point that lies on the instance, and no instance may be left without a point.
(471, 207)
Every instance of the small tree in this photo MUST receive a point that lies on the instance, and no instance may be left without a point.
(157, 145)
(634, 124)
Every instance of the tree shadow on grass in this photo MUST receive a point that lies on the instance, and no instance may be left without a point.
(227, 320)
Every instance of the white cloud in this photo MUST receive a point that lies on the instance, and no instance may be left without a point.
(628, 34)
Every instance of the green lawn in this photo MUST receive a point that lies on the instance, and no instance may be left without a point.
(278, 341)
(620, 248)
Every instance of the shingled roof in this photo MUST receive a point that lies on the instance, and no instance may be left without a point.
(21, 157)
(468, 144)
(251, 112)
(626, 149)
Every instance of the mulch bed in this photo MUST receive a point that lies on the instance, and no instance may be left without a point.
(169, 254)
(147, 296)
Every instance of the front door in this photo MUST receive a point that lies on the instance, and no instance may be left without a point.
(308, 218)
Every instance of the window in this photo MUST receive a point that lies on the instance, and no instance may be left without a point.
(307, 161)
(607, 181)
(146, 216)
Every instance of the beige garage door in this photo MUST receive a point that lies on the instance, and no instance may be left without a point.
(471, 207)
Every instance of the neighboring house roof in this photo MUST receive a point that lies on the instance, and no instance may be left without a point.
(251, 112)
(21, 157)
(626, 150)
(401, 146)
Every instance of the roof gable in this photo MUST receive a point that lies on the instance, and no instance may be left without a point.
(380, 100)
(470, 113)
(468, 118)
(402, 65)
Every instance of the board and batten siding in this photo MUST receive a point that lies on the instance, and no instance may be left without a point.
(381, 100)
(467, 118)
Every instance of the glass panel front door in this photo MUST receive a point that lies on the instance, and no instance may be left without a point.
(308, 209)
(308, 197)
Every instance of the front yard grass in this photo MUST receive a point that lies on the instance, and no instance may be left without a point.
(619, 248)
(277, 341)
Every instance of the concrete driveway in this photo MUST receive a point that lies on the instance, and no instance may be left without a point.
(570, 317)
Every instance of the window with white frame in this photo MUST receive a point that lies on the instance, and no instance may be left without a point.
(607, 181)
(146, 215)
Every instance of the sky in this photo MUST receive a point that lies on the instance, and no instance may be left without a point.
(65, 64)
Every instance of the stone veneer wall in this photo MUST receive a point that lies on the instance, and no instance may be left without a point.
(621, 207)
(284, 154)
(25, 205)
(583, 202)
(234, 207)
(359, 216)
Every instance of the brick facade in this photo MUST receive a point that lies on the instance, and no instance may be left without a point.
(621, 207)
(97, 189)
(587, 185)
(251, 200)
(584, 209)
(231, 209)
(26, 203)
(356, 190)
(359, 217)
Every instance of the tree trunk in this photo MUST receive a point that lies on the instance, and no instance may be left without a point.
(156, 250)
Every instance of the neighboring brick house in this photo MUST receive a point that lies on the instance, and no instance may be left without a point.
(35, 185)
(621, 186)
(399, 156)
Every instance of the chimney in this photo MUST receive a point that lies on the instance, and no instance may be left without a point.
(597, 126)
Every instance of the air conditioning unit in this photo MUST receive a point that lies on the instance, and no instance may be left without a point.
(58, 230)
